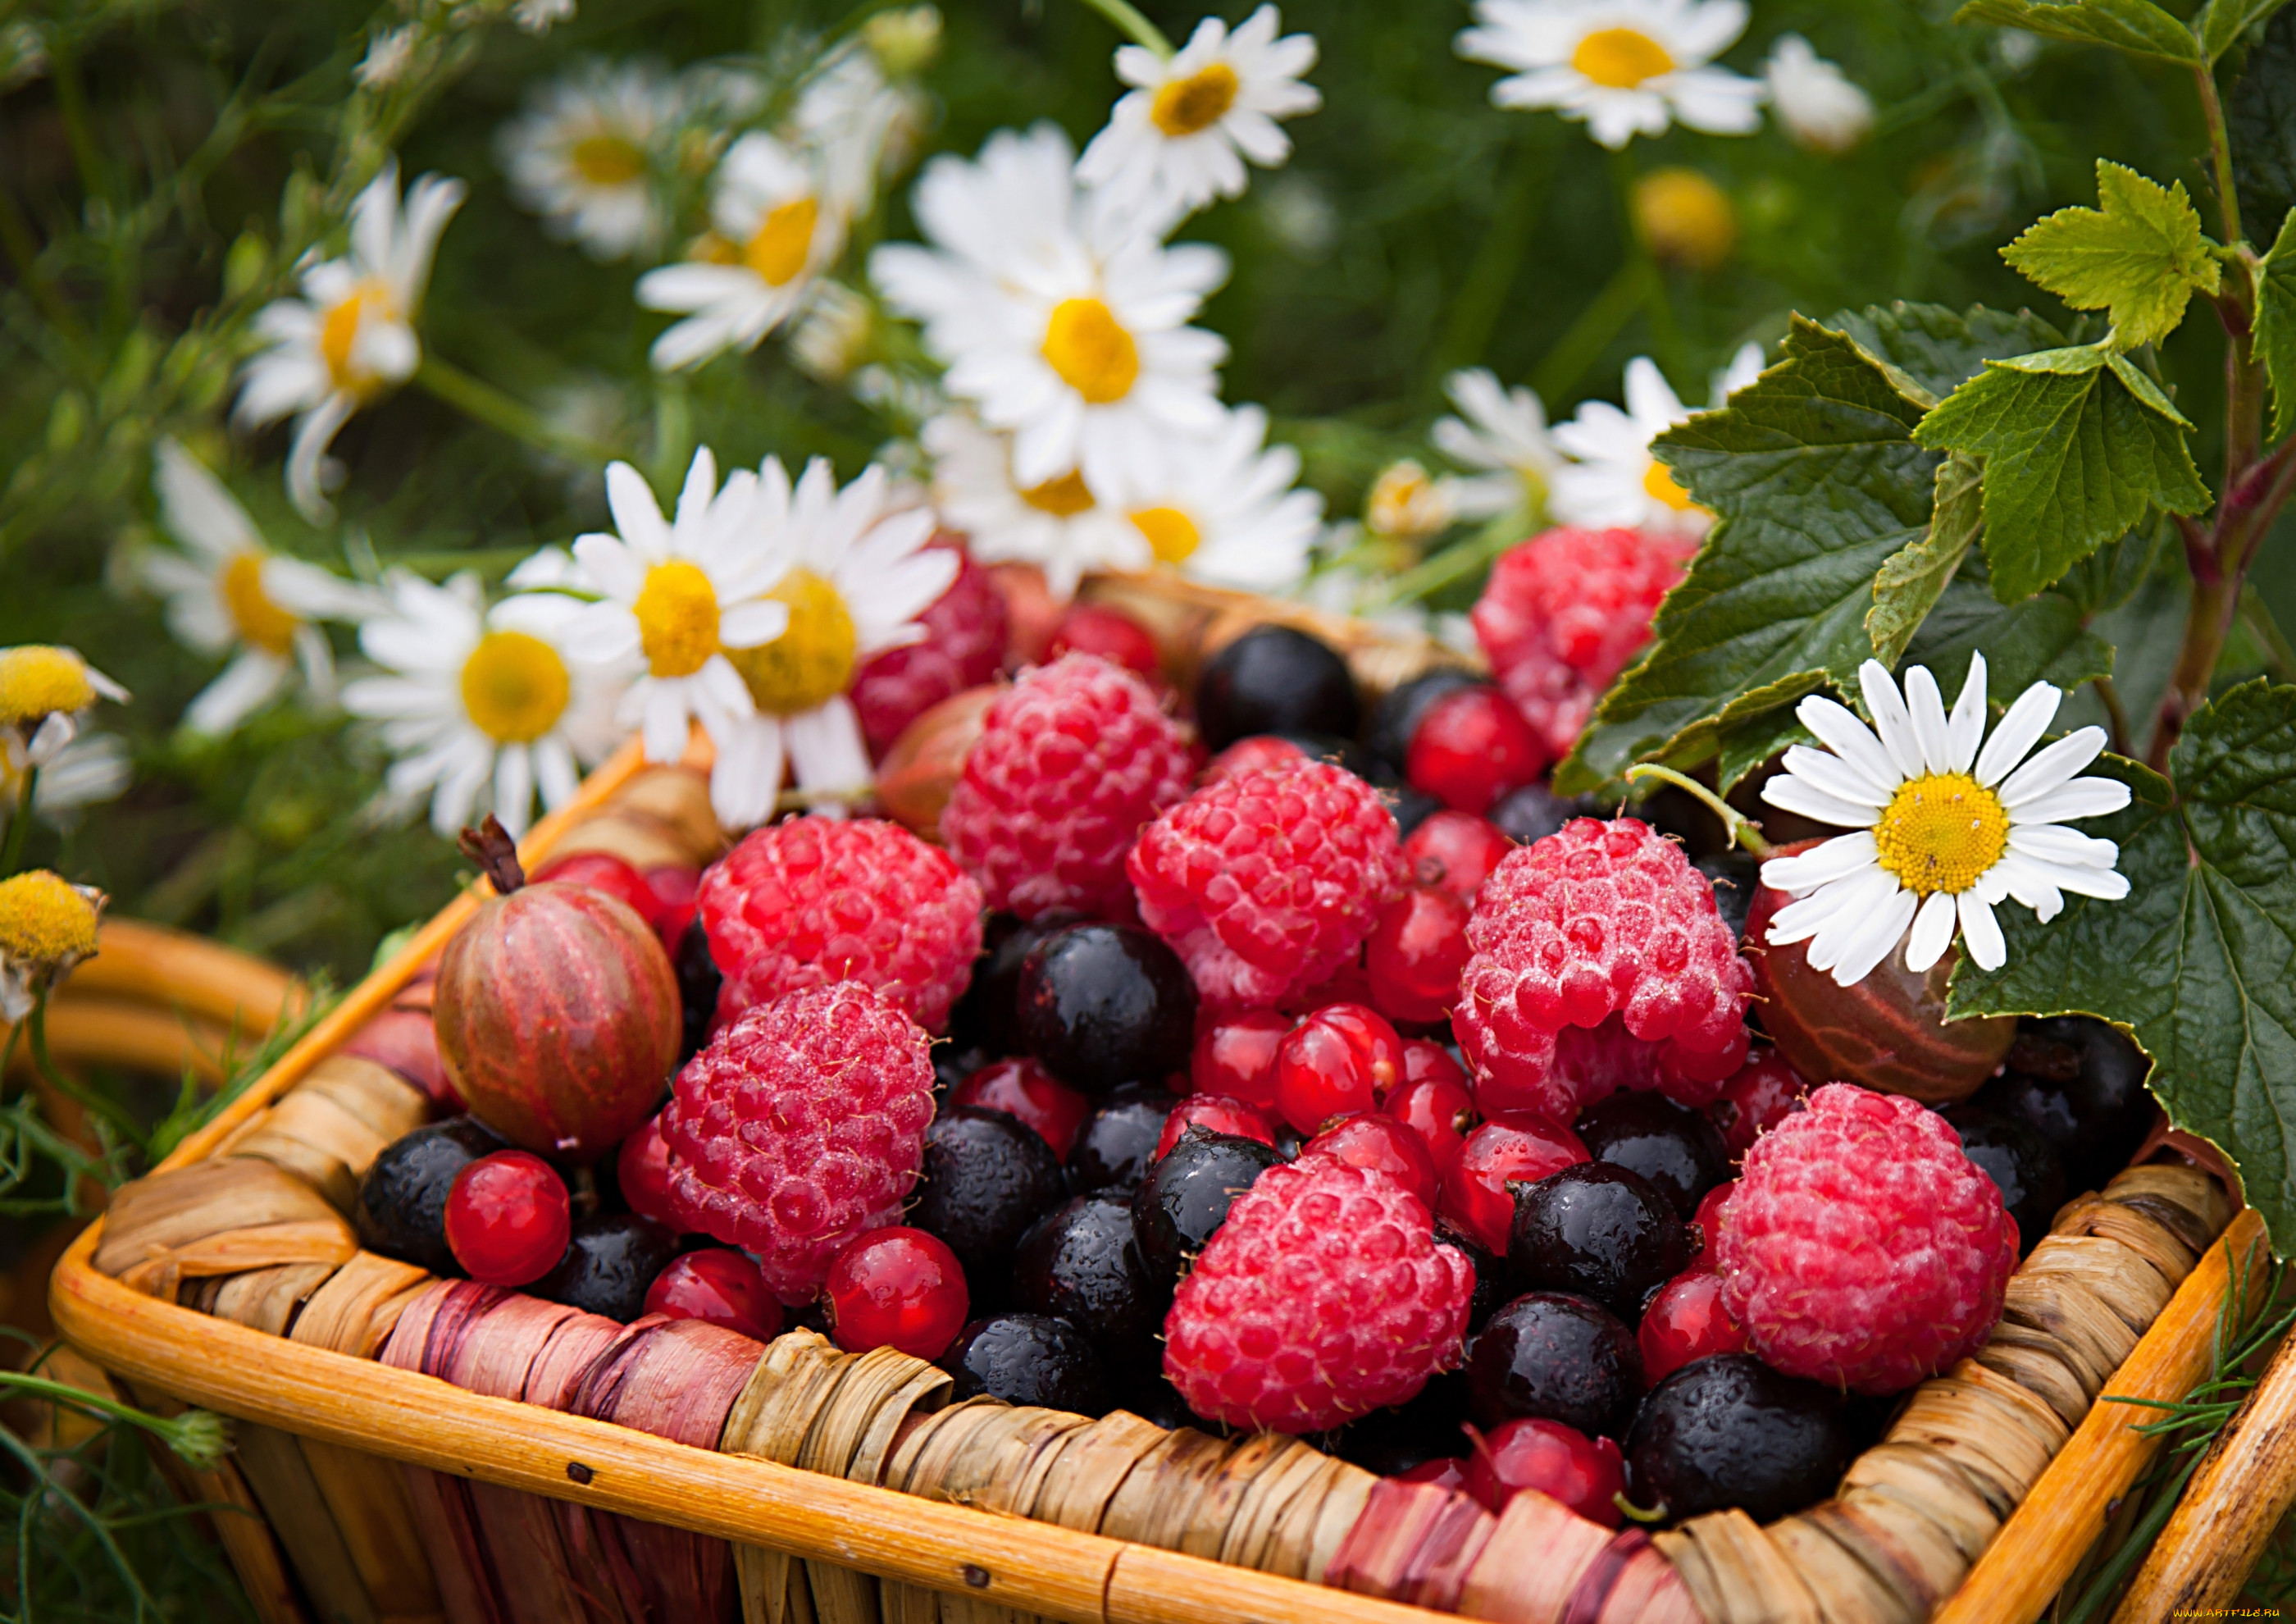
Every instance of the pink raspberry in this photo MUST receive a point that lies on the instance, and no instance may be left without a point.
(1268, 882)
(1323, 1295)
(1563, 613)
(1074, 757)
(1600, 918)
(1861, 1247)
(799, 1126)
(815, 899)
(963, 647)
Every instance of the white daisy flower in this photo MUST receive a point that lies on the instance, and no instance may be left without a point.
(90, 770)
(351, 334)
(1058, 525)
(1626, 67)
(680, 593)
(479, 704)
(1616, 481)
(1060, 316)
(45, 693)
(1179, 139)
(584, 156)
(1820, 106)
(233, 595)
(859, 575)
(778, 227)
(1228, 512)
(1946, 832)
(1503, 431)
(858, 124)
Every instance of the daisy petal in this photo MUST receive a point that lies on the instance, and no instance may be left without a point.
(1932, 932)
(1789, 793)
(1799, 921)
(1926, 707)
(1891, 719)
(2052, 767)
(1878, 938)
(1835, 776)
(1981, 932)
(2054, 843)
(2022, 878)
(1837, 726)
(1823, 863)
(2082, 798)
(2028, 719)
(1964, 731)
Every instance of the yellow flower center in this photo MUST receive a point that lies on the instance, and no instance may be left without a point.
(779, 250)
(1620, 58)
(711, 249)
(811, 662)
(1184, 106)
(262, 623)
(45, 919)
(1063, 498)
(607, 161)
(514, 687)
(1940, 831)
(36, 679)
(677, 618)
(1172, 536)
(1687, 219)
(338, 332)
(1659, 481)
(1088, 346)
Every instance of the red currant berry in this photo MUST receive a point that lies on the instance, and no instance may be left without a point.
(1513, 1147)
(1215, 1115)
(642, 1173)
(1337, 1062)
(508, 1218)
(1441, 1111)
(1415, 954)
(1255, 754)
(602, 871)
(1708, 1216)
(674, 890)
(897, 1288)
(1472, 747)
(1585, 1473)
(1236, 1056)
(1687, 1321)
(1025, 1089)
(1455, 851)
(1091, 629)
(1426, 1060)
(1760, 1094)
(720, 1286)
(1378, 1142)
(1444, 1472)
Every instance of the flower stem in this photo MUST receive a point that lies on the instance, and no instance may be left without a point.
(2204, 81)
(1132, 25)
(11, 855)
(1590, 334)
(1741, 830)
(477, 399)
(1455, 563)
(200, 1444)
(36, 1027)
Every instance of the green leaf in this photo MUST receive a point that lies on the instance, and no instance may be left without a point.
(2139, 257)
(2260, 121)
(1909, 584)
(2222, 22)
(2076, 447)
(2197, 960)
(2041, 638)
(1814, 475)
(2109, 577)
(2136, 26)
(1741, 747)
(2276, 324)
(1938, 348)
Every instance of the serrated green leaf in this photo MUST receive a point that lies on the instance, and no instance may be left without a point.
(2276, 324)
(2260, 121)
(2200, 961)
(1815, 477)
(2109, 577)
(1739, 749)
(2139, 257)
(1941, 348)
(2038, 639)
(1909, 583)
(2222, 22)
(2136, 26)
(2073, 457)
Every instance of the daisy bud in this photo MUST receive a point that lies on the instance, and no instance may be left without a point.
(1817, 102)
(47, 925)
(1686, 218)
(904, 42)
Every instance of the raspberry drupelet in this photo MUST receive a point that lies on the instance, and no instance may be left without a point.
(1075, 758)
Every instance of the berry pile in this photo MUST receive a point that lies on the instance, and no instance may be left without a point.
(1356, 1086)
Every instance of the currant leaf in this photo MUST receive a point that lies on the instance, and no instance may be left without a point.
(2222, 22)
(2135, 25)
(2260, 122)
(2140, 256)
(2276, 324)
(1909, 583)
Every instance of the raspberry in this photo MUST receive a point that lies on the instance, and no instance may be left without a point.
(1094, 628)
(1075, 758)
(816, 900)
(963, 647)
(800, 1124)
(1862, 1249)
(1596, 918)
(1323, 1296)
(1260, 752)
(1563, 613)
(1267, 881)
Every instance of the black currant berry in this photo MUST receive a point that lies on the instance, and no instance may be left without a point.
(698, 979)
(2014, 1156)
(1184, 1198)
(1728, 1430)
(1412, 1433)
(401, 1211)
(1102, 1006)
(2080, 1083)
(1078, 1262)
(1027, 1359)
(987, 1017)
(1275, 679)
(1599, 1231)
(610, 1259)
(1116, 1143)
(1676, 1148)
(986, 1177)
(1532, 813)
(1567, 1359)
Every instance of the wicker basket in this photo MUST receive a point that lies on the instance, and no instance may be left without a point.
(298, 1343)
